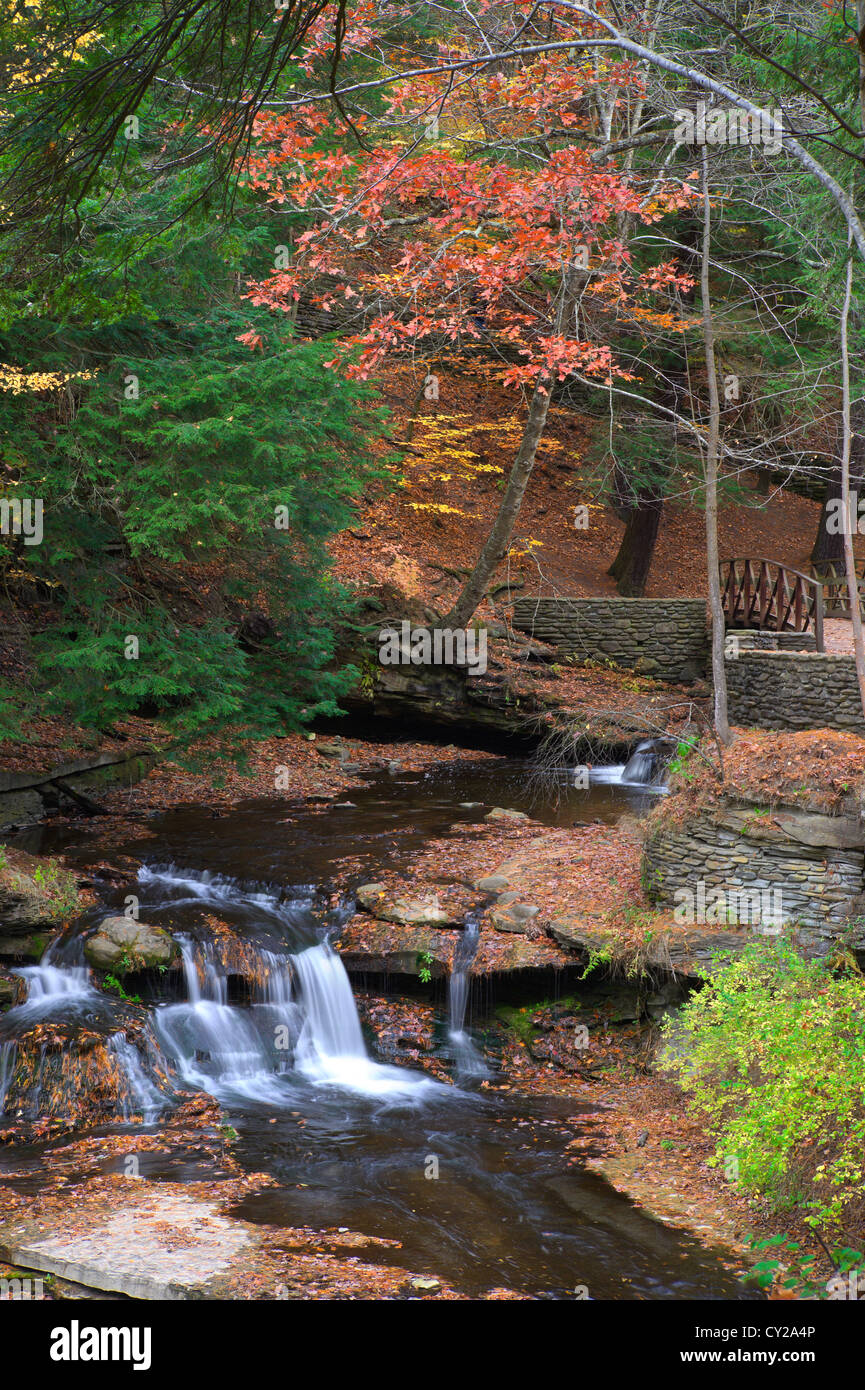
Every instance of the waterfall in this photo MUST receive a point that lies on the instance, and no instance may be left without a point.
(67, 991)
(142, 1097)
(466, 1055)
(332, 1027)
(643, 768)
(331, 1047)
(218, 1047)
(300, 1025)
(640, 767)
(258, 1053)
(50, 985)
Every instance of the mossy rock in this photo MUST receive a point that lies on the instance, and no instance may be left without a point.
(35, 893)
(121, 945)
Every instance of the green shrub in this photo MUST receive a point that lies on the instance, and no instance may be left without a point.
(772, 1054)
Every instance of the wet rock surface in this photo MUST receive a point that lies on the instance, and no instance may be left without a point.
(65, 1073)
(10, 989)
(403, 1032)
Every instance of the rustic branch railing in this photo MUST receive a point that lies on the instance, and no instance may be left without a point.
(832, 575)
(768, 595)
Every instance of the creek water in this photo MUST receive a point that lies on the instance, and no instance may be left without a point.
(472, 1182)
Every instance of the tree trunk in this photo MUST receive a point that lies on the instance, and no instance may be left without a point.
(719, 670)
(828, 545)
(849, 559)
(499, 538)
(633, 561)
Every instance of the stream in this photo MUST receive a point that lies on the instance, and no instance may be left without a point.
(472, 1182)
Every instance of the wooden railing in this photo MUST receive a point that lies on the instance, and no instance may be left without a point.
(832, 575)
(768, 595)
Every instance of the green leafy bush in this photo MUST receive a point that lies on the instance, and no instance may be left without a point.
(772, 1054)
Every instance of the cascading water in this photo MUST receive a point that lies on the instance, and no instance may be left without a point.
(468, 1059)
(260, 1052)
(218, 1047)
(643, 768)
(330, 1049)
(50, 986)
(642, 764)
(60, 989)
(140, 1096)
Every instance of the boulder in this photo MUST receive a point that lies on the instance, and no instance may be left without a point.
(505, 813)
(121, 944)
(513, 916)
(492, 883)
(332, 750)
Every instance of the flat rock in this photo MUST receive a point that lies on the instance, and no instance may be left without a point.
(434, 909)
(681, 952)
(159, 1245)
(367, 945)
(505, 813)
(805, 828)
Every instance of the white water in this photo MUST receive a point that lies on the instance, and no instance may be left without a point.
(302, 1022)
(216, 1046)
(8, 1053)
(49, 985)
(330, 1049)
(641, 770)
(468, 1060)
(142, 1096)
(56, 989)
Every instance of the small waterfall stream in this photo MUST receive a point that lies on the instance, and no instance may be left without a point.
(63, 990)
(468, 1060)
(644, 768)
(302, 1021)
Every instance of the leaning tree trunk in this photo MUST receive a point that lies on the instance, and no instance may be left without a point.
(719, 670)
(499, 538)
(633, 561)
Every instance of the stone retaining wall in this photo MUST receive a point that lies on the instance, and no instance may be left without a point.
(794, 690)
(663, 638)
(815, 862)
